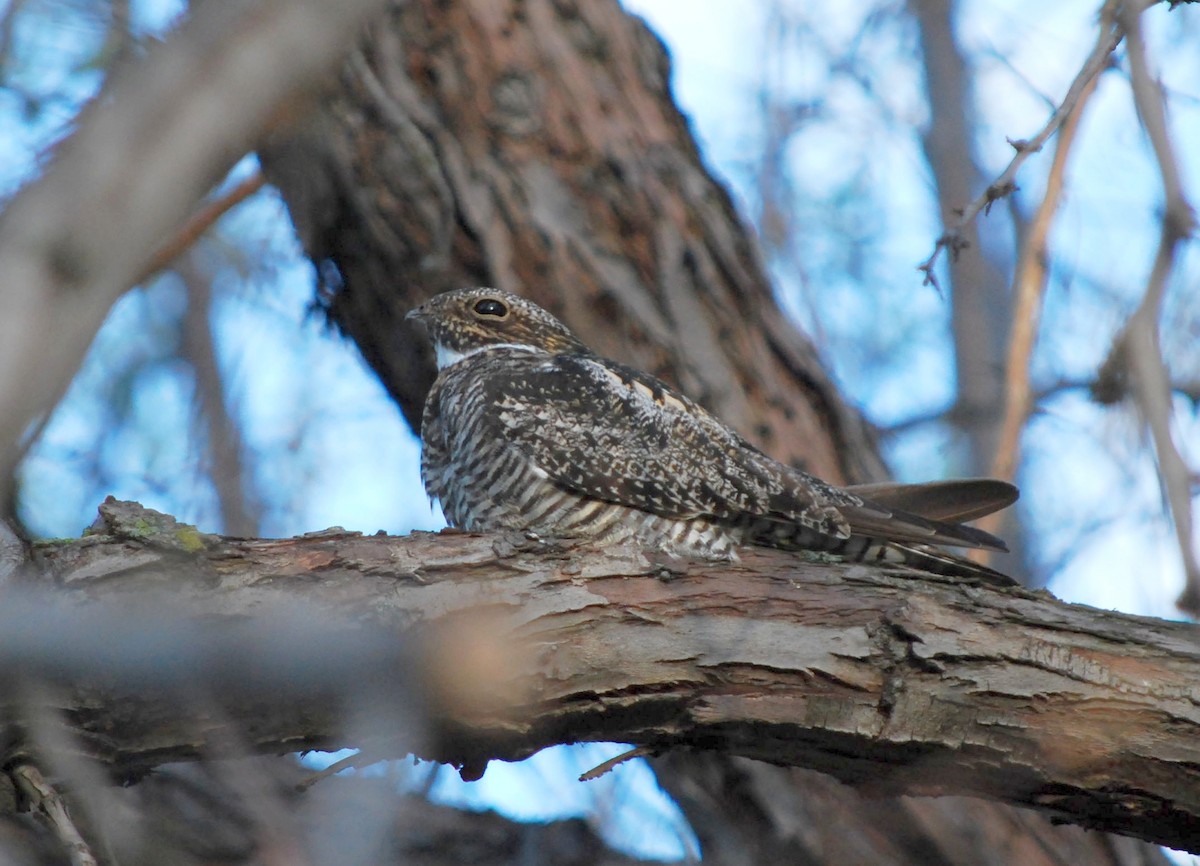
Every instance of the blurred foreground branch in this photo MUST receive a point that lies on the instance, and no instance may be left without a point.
(165, 129)
(468, 648)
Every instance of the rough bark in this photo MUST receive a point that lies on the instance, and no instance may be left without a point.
(534, 146)
(885, 680)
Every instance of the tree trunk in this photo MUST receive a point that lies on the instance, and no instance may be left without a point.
(534, 146)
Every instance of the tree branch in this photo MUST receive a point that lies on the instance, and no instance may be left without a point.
(1107, 40)
(200, 222)
(1029, 287)
(1137, 348)
(880, 677)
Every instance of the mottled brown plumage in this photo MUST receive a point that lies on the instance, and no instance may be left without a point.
(526, 428)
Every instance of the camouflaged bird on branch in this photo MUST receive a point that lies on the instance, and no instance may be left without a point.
(525, 428)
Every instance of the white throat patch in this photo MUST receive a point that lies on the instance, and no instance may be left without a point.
(447, 357)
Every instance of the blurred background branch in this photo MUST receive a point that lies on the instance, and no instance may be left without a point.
(1138, 347)
(1028, 289)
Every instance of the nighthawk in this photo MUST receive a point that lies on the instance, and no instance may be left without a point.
(525, 428)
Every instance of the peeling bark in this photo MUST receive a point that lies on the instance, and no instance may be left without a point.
(884, 679)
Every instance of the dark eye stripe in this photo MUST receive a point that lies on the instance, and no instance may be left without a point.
(492, 308)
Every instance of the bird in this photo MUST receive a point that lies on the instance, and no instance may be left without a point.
(525, 428)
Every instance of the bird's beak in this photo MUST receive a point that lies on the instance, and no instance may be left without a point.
(417, 314)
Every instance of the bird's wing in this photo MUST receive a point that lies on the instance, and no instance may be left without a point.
(615, 434)
(618, 435)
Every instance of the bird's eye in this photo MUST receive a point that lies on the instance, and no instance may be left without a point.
(491, 308)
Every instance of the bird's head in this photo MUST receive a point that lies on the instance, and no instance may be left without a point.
(466, 321)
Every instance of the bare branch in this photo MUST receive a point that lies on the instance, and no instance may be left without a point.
(211, 413)
(1136, 351)
(905, 682)
(952, 239)
(200, 222)
(606, 766)
(1029, 286)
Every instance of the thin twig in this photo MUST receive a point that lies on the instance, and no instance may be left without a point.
(51, 809)
(200, 222)
(600, 769)
(1137, 346)
(1188, 389)
(952, 238)
(351, 762)
(1029, 286)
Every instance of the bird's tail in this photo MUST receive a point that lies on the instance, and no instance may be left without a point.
(865, 548)
(934, 560)
(902, 523)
